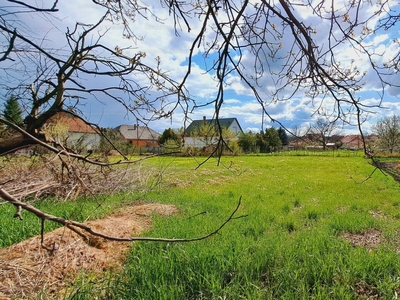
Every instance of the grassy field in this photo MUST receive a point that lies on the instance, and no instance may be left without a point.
(286, 242)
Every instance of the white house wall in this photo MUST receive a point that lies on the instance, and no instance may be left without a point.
(235, 128)
(191, 142)
(90, 141)
(199, 142)
(196, 142)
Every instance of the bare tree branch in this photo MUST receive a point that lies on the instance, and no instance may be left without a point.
(35, 8)
(73, 225)
(10, 46)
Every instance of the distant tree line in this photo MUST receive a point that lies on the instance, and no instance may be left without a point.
(275, 139)
(272, 139)
(267, 141)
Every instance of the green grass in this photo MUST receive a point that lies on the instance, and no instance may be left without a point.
(285, 245)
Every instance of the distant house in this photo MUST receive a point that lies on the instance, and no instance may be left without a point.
(308, 141)
(352, 142)
(140, 136)
(202, 133)
(355, 142)
(73, 131)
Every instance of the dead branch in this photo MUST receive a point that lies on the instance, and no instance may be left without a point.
(73, 224)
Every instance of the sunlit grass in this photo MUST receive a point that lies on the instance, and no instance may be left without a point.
(285, 244)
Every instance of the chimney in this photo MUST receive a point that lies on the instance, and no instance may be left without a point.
(204, 119)
(134, 127)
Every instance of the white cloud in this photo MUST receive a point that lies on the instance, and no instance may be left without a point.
(232, 101)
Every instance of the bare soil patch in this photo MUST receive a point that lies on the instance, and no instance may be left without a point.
(26, 268)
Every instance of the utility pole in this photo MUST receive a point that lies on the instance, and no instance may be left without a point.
(262, 120)
(137, 136)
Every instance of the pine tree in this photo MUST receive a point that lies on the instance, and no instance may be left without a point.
(283, 136)
(12, 111)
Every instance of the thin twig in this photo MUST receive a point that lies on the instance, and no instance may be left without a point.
(52, 9)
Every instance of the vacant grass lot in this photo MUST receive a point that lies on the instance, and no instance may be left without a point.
(288, 240)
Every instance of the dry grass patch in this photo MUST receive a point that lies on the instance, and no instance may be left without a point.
(26, 268)
(181, 184)
(370, 238)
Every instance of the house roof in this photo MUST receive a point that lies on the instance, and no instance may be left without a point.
(351, 138)
(134, 132)
(74, 124)
(224, 122)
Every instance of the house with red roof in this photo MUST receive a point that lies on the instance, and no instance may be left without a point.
(141, 137)
(72, 131)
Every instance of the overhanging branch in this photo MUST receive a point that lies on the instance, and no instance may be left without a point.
(35, 140)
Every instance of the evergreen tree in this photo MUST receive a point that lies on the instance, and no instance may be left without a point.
(171, 140)
(170, 134)
(283, 136)
(273, 139)
(12, 111)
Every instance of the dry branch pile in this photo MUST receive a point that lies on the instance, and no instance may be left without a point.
(27, 269)
(66, 178)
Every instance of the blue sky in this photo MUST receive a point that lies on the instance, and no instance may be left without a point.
(159, 39)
